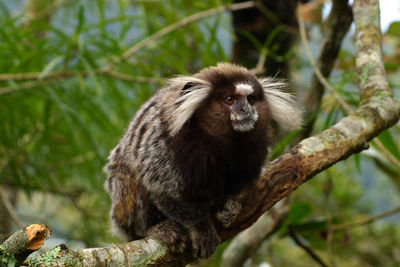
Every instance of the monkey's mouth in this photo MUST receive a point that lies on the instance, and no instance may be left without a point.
(245, 125)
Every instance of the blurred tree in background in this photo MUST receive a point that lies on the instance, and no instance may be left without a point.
(73, 73)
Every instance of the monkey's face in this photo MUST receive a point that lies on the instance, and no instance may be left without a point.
(235, 107)
(241, 104)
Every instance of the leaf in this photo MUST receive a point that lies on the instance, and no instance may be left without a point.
(49, 67)
(394, 28)
(389, 143)
(357, 162)
(81, 20)
(298, 211)
(330, 119)
(312, 225)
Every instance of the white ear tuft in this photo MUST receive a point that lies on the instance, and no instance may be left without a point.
(189, 100)
(181, 81)
(282, 105)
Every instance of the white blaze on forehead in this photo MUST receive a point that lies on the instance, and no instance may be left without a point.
(244, 89)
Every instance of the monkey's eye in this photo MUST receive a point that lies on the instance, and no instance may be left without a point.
(251, 99)
(229, 100)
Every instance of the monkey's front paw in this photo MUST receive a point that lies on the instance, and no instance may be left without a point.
(204, 241)
(229, 212)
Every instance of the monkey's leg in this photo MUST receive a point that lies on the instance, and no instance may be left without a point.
(133, 213)
(171, 233)
(195, 218)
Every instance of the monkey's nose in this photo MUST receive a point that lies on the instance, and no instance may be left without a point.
(245, 108)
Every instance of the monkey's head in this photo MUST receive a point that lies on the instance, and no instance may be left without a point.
(229, 99)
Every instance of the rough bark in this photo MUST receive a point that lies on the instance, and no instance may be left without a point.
(372, 84)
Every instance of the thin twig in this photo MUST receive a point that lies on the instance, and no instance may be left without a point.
(26, 85)
(316, 70)
(69, 74)
(7, 204)
(306, 247)
(57, 76)
(29, 76)
(346, 226)
(177, 25)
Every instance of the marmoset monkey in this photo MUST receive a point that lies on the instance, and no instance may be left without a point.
(189, 149)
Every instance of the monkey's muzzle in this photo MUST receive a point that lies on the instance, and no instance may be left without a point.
(244, 121)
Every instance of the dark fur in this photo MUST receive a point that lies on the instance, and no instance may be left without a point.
(167, 185)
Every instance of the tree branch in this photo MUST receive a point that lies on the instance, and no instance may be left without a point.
(144, 252)
(22, 243)
(370, 67)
